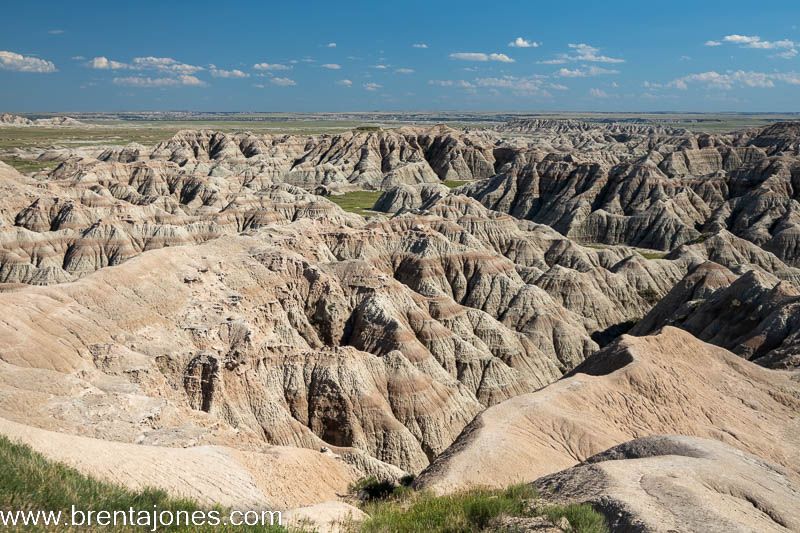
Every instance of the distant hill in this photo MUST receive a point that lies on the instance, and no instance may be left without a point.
(7, 119)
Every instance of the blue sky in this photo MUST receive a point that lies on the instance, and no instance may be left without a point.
(410, 55)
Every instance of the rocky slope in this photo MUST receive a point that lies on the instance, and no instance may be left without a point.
(672, 483)
(636, 387)
(664, 196)
(365, 159)
(754, 315)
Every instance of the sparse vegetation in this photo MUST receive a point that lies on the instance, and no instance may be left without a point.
(372, 489)
(455, 183)
(359, 202)
(652, 255)
(30, 482)
(582, 517)
(26, 165)
(471, 511)
(700, 239)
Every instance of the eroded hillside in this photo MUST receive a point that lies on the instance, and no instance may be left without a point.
(206, 291)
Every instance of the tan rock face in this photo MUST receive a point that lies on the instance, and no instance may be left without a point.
(279, 478)
(754, 315)
(638, 387)
(386, 340)
(672, 483)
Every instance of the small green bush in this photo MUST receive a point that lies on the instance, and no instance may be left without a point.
(582, 517)
(371, 489)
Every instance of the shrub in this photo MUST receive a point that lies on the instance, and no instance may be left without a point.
(582, 517)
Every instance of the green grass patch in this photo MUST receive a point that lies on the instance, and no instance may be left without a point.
(652, 255)
(582, 517)
(30, 482)
(359, 202)
(470, 511)
(26, 166)
(455, 183)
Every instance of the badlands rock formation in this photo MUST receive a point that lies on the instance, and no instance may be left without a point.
(198, 296)
(754, 315)
(365, 159)
(672, 483)
(7, 119)
(637, 387)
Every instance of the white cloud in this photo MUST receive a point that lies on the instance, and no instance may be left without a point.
(792, 78)
(730, 79)
(160, 64)
(331, 66)
(345, 83)
(452, 83)
(519, 42)
(222, 73)
(590, 53)
(380, 67)
(535, 85)
(469, 56)
(282, 82)
(480, 56)
(598, 93)
(103, 63)
(147, 82)
(331, 45)
(372, 86)
(785, 48)
(191, 80)
(584, 72)
(21, 63)
(271, 66)
(500, 57)
(787, 54)
(55, 32)
(419, 45)
(581, 52)
(163, 64)
(528, 86)
(405, 71)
